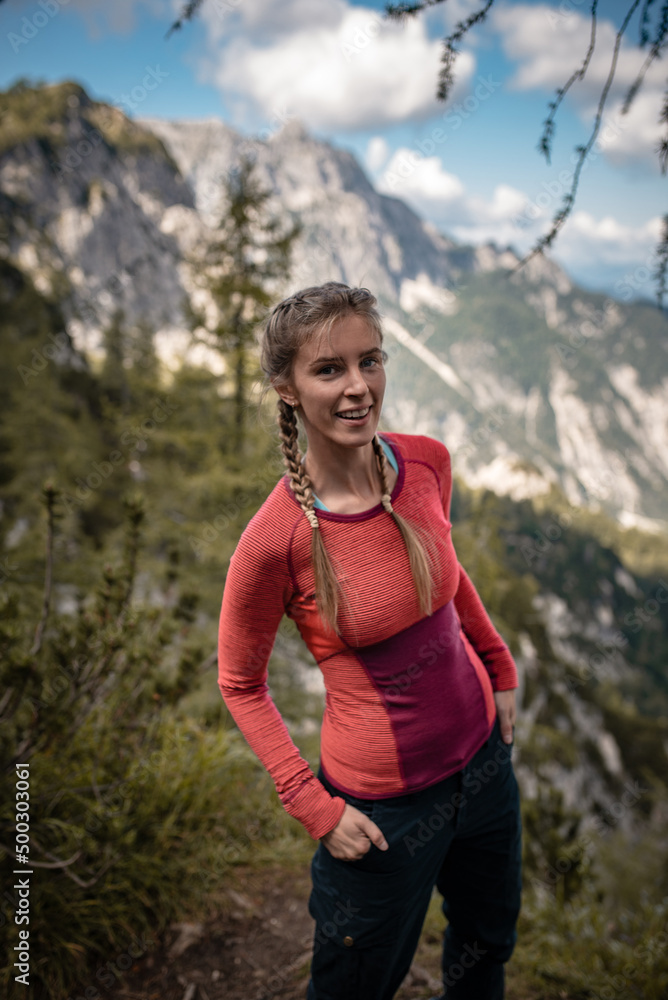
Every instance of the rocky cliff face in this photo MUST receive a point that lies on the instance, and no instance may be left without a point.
(546, 385)
(351, 232)
(90, 204)
(530, 381)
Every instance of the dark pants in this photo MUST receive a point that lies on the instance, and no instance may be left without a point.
(462, 835)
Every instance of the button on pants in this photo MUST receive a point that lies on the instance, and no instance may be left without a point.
(462, 835)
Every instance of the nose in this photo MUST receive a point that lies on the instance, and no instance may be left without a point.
(355, 382)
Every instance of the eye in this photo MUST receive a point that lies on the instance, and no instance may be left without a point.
(371, 361)
(327, 370)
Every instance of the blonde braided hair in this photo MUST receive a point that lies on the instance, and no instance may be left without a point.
(417, 556)
(300, 482)
(327, 588)
(291, 324)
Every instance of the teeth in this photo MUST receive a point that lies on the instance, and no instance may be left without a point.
(354, 413)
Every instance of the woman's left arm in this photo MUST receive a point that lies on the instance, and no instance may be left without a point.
(475, 621)
(491, 649)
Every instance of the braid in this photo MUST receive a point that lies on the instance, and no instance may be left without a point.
(386, 500)
(300, 484)
(417, 555)
(326, 583)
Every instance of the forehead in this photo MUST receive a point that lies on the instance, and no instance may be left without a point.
(351, 334)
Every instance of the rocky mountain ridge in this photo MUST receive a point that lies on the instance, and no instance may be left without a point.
(531, 382)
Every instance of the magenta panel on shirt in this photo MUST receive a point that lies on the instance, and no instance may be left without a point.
(433, 697)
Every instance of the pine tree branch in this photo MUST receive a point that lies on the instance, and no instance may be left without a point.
(545, 142)
(134, 512)
(661, 273)
(450, 51)
(582, 151)
(49, 497)
(187, 14)
(400, 11)
(654, 53)
(662, 148)
(643, 35)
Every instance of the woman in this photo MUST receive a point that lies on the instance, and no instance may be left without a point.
(415, 787)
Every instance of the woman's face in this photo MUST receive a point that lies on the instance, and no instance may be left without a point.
(338, 383)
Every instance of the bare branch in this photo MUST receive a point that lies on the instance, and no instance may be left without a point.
(64, 865)
(545, 142)
(91, 881)
(58, 863)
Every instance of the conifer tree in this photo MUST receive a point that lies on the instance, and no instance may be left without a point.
(242, 268)
(113, 377)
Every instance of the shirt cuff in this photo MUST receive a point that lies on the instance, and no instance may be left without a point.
(315, 808)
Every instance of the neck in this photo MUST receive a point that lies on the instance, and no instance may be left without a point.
(344, 472)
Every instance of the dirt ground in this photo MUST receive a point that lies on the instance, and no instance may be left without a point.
(256, 947)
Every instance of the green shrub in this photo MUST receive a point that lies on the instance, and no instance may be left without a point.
(135, 814)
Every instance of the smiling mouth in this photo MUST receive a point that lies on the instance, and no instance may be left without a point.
(354, 414)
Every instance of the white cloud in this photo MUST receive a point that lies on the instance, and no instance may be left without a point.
(549, 46)
(609, 240)
(331, 65)
(638, 133)
(377, 154)
(599, 252)
(491, 221)
(420, 180)
(441, 198)
(605, 254)
(549, 43)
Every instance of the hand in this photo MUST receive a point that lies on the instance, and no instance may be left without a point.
(353, 836)
(506, 711)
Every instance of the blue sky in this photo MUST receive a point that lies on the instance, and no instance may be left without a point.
(471, 166)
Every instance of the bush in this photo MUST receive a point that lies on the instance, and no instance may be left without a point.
(134, 814)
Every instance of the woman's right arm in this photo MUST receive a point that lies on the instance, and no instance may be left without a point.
(257, 591)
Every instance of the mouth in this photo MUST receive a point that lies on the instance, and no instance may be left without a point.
(355, 416)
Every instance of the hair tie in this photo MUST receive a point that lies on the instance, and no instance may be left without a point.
(386, 501)
(313, 518)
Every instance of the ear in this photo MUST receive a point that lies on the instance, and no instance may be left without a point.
(287, 394)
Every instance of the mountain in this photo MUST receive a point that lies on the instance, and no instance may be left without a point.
(533, 383)
(88, 206)
(529, 380)
(351, 232)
